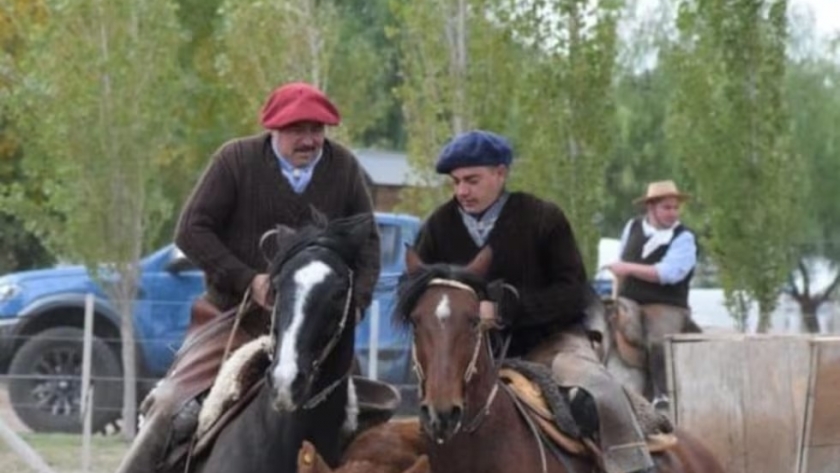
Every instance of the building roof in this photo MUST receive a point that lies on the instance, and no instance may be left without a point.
(388, 168)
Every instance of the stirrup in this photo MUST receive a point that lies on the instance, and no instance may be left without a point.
(661, 402)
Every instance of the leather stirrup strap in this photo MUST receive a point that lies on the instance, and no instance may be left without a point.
(238, 318)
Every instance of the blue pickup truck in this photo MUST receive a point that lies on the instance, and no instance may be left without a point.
(42, 316)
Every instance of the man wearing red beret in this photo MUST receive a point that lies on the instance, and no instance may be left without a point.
(251, 185)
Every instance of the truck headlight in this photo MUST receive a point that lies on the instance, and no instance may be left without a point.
(8, 291)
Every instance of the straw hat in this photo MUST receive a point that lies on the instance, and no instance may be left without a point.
(659, 190)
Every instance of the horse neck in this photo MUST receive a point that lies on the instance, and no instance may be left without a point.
(497, 438)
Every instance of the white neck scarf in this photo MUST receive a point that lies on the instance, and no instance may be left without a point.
(656, 237)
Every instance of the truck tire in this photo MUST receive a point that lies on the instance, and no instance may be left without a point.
(45, 382)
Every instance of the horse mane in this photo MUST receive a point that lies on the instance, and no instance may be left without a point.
(334, 235)
(412, 286)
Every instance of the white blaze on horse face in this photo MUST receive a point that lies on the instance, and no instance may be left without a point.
(443, 311)
(306, 278)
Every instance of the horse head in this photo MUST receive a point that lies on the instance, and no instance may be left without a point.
(313, 313)
(442, 306)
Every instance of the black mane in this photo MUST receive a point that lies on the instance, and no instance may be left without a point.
(332, 235)
(412, 286)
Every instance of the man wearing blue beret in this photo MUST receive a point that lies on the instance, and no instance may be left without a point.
(539, 284)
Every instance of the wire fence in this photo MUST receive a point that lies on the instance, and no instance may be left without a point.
(41, 380)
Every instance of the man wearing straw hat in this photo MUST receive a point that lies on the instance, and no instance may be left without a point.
(658, 256)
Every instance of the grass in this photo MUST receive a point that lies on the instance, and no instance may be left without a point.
(63, 453)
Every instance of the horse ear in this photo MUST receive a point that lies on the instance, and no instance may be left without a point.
(274, 241)
(480, 265)
(412, 260)
(319, 219)
(361, 228)
(421, 465)
(310, 461)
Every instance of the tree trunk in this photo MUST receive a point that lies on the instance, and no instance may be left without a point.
(764, 322)
(129, 410)
(808, 307)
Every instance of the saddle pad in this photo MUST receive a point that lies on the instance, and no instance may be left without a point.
(529, 394)
(238, 373)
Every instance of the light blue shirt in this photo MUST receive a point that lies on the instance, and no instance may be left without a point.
(678, 261)
(298, 177)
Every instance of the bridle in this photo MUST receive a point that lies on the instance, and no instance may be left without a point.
(471, 369)
(321, 395)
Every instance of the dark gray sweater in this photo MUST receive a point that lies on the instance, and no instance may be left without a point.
(534, 250)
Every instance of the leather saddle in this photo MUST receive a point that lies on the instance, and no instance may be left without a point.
(656, 427)
(624, 319)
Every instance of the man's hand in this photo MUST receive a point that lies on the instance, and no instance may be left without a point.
(259, 290)
(506, 298)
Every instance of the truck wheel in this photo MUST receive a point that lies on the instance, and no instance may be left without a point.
(45, 382)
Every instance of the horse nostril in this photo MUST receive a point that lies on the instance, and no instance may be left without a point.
(425, 414)
(455, 416)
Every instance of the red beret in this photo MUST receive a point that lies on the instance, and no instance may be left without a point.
(298, 102)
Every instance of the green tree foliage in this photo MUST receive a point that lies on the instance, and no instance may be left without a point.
(568, 106)
(20, 248)
(264, 44)
(812, 90)
(97, 99)
(730, 126)
(539, 74)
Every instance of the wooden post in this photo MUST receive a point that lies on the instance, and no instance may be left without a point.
(86, 405)
(373, 342)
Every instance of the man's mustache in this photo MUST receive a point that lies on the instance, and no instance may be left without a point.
(305, 149)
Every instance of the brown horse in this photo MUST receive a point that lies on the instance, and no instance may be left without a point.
(471, 418)
(397, 446)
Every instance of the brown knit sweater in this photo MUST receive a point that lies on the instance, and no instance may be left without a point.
(242, 194)
(534, 250)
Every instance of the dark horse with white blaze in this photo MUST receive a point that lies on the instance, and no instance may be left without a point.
(468, 413)
(302, 373)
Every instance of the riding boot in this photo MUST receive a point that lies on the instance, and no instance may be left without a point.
(162, 432)
(148, 449)
(574, 364)
(658, 376)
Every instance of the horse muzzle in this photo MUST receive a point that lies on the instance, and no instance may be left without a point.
(289, 395)
(441, 424)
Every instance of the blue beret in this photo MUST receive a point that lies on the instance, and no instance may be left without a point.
(474, 148)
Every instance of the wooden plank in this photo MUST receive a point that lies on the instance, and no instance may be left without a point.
(708, 395)
(772, 424)
(745, 395)
(821, 443)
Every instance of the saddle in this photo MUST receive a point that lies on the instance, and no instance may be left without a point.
(656, 427)
(625, 322)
